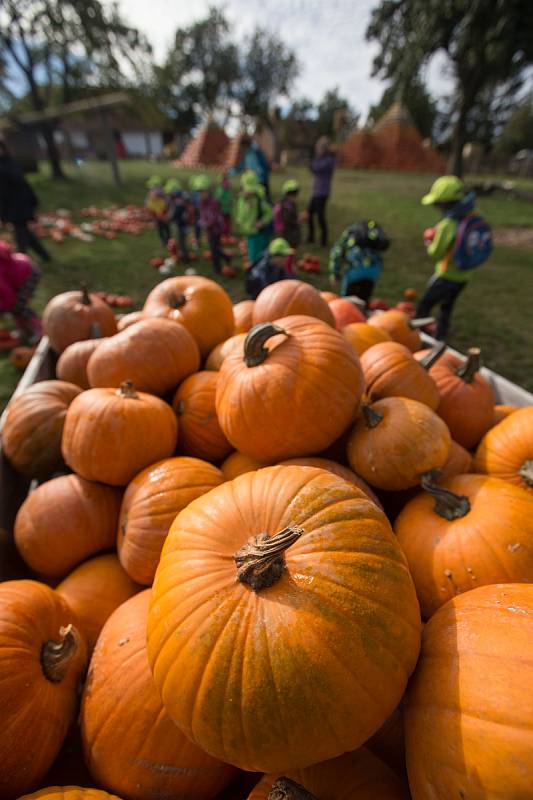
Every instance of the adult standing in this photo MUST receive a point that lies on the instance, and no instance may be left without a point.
(253, 158)
(18, 204)
(322, 167)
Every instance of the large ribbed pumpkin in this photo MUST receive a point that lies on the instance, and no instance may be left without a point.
(33, 427)
(64, 521)
(361, 336)
(69, 793)
(285, 592)
(336, 469)
(199, 431)
(399, 327)
(345, 313)
(94, 590)
(42, 658)
(123, 721)
(289, 298)
(73, 316)
(242, 316)
(469, 711)
(151, 502)
(217, 355)
(293, 392)
(199, 304)
(111, 434)
(506, 451)
(72, 363)
(237, 464)
(391, 371)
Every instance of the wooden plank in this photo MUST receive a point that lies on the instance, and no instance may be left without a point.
(40, 368)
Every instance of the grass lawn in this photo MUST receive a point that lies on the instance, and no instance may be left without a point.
(493, 313)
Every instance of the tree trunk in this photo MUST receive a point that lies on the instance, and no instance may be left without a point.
(460, 133)
(53, 152)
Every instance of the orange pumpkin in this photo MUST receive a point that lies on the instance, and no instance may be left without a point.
(199, 431)
(353, 776)
(289, 298)
(129, 319)
(453, 545)
(69, 793)
(217, 355)
(399, 327)
(20, 357)
(506, 451)
(395, 441)
(292, 397)
(111, 434)
(201, 305)
(469, 711)
(501, 412)
(269, 591)
(72, 363)
(156, 354)
(336, 469)
(42, 659)
(123, 721)
(75, 316)
(459, 462)
(237, 464)
(345, 313)
(151, 502)
(94, 590)
(361, 336)
(64, 521)
(242, 316)
(31, 436)
(391, 371)
(328, 296)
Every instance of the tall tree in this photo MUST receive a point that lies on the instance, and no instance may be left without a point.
(416, 99)
(488, 43)
(268, 69)
(332, 102)
(518, 132)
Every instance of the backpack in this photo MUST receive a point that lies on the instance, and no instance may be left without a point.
(473, 242)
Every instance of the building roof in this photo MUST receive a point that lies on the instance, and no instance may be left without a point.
(396, 114)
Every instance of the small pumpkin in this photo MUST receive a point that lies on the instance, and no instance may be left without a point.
(129, 319)
(73, 316)
(42, 659)
(156, 354)
(395, 441)
(201, 305)
(69, 793)
(199, 432)
(399, 327)
(94, 590)
(151, 502)
(20, 357)
(361, 336)
(235, 344)
(278, 581)
(123, 721)
(459, 462)
(72, 363)
(289, 298)
(502, 412)
(345, 313)
(391, 371)
(336, 469)
(295, 390)
(237, 464)
(453, 545)
(242, 316)
(111, 434)
(64, 521)
(469, 710)
(33, 427)
(506, 451)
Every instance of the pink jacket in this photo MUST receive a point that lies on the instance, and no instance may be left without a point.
(15, 269)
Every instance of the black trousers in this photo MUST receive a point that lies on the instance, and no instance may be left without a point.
(182, 241)
(317, 207)
(217, 254)
(163, 229)
(440, 292)
(362, 289)
(26, 240)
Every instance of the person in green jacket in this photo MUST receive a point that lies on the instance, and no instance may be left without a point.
(253, 215)
(448, 281)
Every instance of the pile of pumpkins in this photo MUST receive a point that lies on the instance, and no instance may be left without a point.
(276, 550)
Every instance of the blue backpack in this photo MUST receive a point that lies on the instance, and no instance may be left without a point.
(473, 242)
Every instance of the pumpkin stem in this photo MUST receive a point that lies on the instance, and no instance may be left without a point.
(467, 371)
(85, 298)
(421, 322)
(448, 505)
(526, 472)
(127, 389)
(285, 789)
(55, 656)
(261, 561)
(179, 408)
(255, 352)
(177, 300)
(433, 356)
(372, 417)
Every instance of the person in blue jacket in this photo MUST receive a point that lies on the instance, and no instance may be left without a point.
(254, 159)
(356, 259)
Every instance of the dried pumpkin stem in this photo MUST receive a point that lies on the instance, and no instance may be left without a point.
(85, 298)
(255, 352)
(127, 389)
(433, 356)
(526, 472)
(447, 504)
(177, 300)
(467, 371)
(421, 322)
(372, 417)
(55, 656)
(285, 789)
(261, 561)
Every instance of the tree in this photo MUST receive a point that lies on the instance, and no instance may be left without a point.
(488, 43)
(518, 132)
(66, 44)
(331, 103)
(416, 99)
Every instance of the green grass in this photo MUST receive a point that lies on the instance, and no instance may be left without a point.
(494, 312)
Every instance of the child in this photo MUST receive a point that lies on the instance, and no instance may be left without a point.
(157, 204)
(178, 212)
(194, 210)
(212, 221)
(18, 279)
(356, 257)
(287, 219)
(269, 268)
(253, 216)
(458, 243)
(225, 198)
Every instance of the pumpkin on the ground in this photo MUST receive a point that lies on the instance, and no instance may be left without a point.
(395, 441)
(290, 298)
(345, 312)
(151, 502)
(64, 521)
(242, 316)
(287, 591)
(459, 462)
(69, 793)
(199, 432)
(399, 327)
(391, 371)
(123, 721)
(33, 427)
(506, 451)
(469, 710)
(111, 434)
(217, 355)
(73, 316)
(237, 464)
(336, 469)
(72, 363)
(20, 357)
(42, 659)
(361, 336)
(294, 391)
